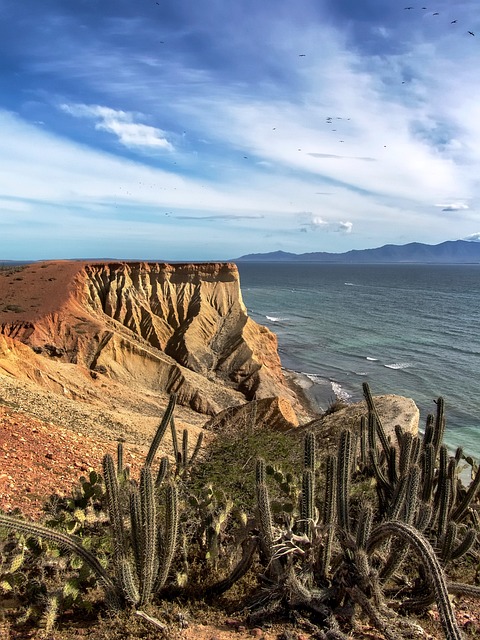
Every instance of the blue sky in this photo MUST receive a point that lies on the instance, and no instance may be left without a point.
(182, 130)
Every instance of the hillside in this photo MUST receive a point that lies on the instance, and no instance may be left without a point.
(450, 252)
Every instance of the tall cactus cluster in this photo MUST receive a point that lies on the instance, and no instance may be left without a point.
(152, 533)
(144, 520)
(338, 554)
(325, 549)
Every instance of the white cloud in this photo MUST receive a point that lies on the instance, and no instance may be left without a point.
(345, 227)
(121, 123)
(453, 206)
(473, 237)
(316, 222)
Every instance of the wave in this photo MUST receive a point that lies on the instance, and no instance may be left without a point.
(340, 392)
(371, 359)
(349, 284)
(398, 365)
(316, 379)
(275, 319)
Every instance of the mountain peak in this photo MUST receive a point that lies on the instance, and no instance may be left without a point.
(449, 252)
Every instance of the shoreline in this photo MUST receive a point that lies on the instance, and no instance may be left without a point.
(314, 397)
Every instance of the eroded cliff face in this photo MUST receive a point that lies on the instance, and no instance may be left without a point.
(172, 328)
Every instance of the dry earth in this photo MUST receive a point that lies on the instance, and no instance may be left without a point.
(38, 458)
(48, 440)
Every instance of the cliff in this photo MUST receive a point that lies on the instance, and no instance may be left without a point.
(161, 328)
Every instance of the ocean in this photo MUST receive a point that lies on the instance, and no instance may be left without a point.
(411, 330)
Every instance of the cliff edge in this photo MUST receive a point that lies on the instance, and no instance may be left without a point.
(162, 328)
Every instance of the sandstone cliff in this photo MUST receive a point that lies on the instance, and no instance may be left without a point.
(165, 328)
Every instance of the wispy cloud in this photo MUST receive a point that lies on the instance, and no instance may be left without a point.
(122, 124)
(210, 113)
(231, 216)
(473, 237)
(337, 157)
(454, 206)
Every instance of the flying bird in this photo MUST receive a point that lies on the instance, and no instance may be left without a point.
(453, 21)
(435, 14)
(408, 7)
(301, 55)
(471, 33)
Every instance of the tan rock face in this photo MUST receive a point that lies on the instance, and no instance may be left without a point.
(392, 409)
(172, 328)
(274, 413)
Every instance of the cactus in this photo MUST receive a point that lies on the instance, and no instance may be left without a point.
(114, 510)
(68, 542)
(409, 534)
(345, 456)
(265, 514)
(238, 572)
(350, 556)
(142, 555)
(308, 502)
(168, 541)
(120, 467)
(310, 451)
(162, 427)
(329, 513)
(149, 536)
(162, 471)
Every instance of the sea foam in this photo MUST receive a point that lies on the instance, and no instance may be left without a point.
(398, 365)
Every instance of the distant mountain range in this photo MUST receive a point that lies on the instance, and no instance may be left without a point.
(450, 252)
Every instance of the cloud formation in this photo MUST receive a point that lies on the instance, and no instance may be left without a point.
(232, 113)
(129, 133)
(316, 222)
(454, 206)
(337, 157)
(473, 237)
(214, 217)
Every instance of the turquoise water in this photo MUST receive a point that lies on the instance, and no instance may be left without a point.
(412, 330)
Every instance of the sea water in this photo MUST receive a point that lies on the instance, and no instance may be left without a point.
(411, 330)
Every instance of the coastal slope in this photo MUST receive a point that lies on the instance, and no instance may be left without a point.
(163, 328)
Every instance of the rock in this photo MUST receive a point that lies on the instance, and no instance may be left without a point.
(274, 413)
(161, 328)
(392, 410)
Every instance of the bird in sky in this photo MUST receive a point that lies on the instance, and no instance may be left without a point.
(408, 7)
(301, 55)
(453, 21)
(471, 33)
(436, 14)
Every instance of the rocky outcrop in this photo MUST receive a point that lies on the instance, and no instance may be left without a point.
(392, 409)
(179, 328)
(273, 413)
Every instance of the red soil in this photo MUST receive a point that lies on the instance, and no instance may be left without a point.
(35, 290)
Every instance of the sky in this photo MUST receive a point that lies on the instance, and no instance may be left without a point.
(210, 129)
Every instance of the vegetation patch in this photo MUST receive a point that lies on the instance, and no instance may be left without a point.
(13, 307)
(379, 531)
